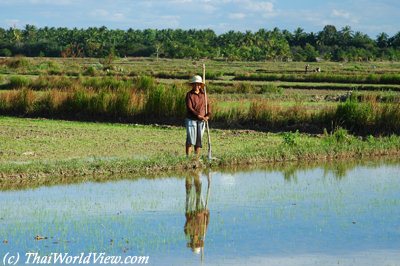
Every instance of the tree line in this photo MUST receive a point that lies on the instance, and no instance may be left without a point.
(283, 45)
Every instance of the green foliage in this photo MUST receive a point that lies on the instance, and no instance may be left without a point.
(90, 71)
(120, 103)
(22, 102)
(165, 102)
(324, 77)
(290, 138)
(113, 83)
(270, 88)
(145, 83)
(244, 87)
(339, 136)
(5, 52)
(355, 116)
(329, 43)
(18, 62)
(17, 82)
(52, 67)
(50, 82)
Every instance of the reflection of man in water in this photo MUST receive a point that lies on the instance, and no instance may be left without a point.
(197, 214)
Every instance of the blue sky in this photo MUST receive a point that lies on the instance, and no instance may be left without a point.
(367, 16)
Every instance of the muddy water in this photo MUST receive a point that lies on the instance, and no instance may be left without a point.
(313, 216)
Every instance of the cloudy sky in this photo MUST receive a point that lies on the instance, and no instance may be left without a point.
(367, 16)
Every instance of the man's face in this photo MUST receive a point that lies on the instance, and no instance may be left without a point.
(196, 86)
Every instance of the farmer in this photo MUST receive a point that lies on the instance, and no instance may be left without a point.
(307, 66)
(196, 115)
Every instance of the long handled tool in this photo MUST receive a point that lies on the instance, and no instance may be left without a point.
(207, 127)
(205, 208)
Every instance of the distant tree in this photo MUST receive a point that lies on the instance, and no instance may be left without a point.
(382, 40)
(329, 35)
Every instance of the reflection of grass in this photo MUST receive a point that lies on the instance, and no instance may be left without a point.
(44, 147)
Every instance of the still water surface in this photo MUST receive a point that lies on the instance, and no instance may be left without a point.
(295, 216)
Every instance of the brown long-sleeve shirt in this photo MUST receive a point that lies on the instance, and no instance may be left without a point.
(196, 105)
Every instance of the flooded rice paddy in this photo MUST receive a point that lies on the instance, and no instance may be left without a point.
(325, 215)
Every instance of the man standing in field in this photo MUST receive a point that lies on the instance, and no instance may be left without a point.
(196, 115)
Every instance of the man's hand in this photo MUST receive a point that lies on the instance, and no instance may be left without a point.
(206, 118)
(200, 117)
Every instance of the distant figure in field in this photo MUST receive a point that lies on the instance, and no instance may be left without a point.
(317, 69)
(307, 66)
(196, 115)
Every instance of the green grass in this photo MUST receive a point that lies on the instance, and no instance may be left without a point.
(37, 147)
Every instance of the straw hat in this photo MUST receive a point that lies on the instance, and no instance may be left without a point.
(196, 79)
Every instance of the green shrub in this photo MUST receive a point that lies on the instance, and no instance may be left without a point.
(120, 103)
(145, 83)
(355, 116)
(270, 88)
(388, 120)
(17, 82)
(341, 135)
(18, 62)
(44, 105)
(244, 87)
(90, 71)
(113, 83)
(165, 102)
(290, 138)
(49, 82)
(99, 103)
(5, 52)
(22, 103)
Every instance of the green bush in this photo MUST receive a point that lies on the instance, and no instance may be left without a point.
(290, 138)
(5, 52)
(44, 105)
(145, 83)
(17, 82)
(90, 71)
(113, 83)
(120, 103)
(270, 88)
(354, 115)
(99, 103)
(18, 62)
(244, 87)
(22, 103)
(165, 102)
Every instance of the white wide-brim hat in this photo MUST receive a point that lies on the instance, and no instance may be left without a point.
(196, 79)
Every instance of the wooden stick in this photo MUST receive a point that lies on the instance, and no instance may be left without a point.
(207, 127)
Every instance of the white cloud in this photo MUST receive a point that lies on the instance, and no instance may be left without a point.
(106, 15)
(265, 8)
(237, 15)
(209, 8)
(340, 14)
(255, 6)
(344, 15)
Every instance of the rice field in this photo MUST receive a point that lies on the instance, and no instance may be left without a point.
(327, 214)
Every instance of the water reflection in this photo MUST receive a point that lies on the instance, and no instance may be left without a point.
(196, 211)
(290, 170)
